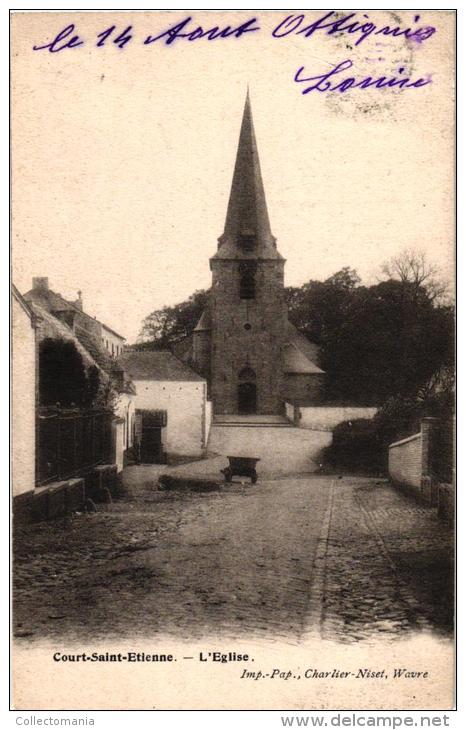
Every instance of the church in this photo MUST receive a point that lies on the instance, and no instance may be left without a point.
(252, 357)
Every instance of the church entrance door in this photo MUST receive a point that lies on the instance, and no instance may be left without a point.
(247, 398)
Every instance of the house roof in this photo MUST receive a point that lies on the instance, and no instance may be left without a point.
(109, 329)
(122, 381)
(22, 301)
(48, 299)
(91, 353)
(156, 365)
(50, 326)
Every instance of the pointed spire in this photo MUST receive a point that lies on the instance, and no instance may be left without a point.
(247, 214)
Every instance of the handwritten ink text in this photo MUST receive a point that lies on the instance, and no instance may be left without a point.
(175, 32)
(56, 45)
(322, 83)
(291, 23)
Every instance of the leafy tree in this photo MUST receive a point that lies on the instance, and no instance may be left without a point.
(164, 326)
(376, 342)
(63, 379)
(318, 308)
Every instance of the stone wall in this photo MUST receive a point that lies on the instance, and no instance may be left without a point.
(303, 388)
(326, 418)
(411, 463)
(405, 461)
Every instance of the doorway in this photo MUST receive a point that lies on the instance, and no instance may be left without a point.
(247, 398)
(151, 445)
(149, 427)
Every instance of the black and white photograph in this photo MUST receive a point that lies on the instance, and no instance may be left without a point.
(233, 359)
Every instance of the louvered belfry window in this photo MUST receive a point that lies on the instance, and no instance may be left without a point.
(247, 281)
(247, 241)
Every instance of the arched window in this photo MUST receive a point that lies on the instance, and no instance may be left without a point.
(247, 282)
(246, 373)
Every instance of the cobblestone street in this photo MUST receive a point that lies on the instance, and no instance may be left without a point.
(345, 558)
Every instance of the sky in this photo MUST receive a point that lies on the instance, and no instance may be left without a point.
(122, 158)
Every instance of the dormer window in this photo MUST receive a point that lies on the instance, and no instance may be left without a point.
(247, 241)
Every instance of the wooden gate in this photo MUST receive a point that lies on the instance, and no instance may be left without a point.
(71, 442)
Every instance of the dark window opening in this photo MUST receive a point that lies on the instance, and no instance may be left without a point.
(247, 241)
(247, 285)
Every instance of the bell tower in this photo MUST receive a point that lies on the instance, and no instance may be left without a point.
(247, 306)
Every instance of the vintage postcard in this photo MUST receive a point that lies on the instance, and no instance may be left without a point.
(233, 359)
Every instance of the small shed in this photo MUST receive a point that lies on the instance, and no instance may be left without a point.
(173, 414)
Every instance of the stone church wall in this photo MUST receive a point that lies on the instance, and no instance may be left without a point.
(247, 332)
(201, 353)
(303, 389)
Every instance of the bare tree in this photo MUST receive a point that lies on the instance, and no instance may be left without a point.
(412, 267)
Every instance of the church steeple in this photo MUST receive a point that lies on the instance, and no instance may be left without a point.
(247, 296)
(247, 227)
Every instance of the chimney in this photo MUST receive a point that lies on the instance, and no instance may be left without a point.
(40, 283)
(79, 301)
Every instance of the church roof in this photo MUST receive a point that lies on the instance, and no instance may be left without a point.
(299, 354)
(204, 324)
(247, 208)
(308, 348)
(294, 361)
(156, 365)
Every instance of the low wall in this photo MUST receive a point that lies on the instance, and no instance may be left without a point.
(207, 421)
(411, 464)
(118, 443)
(289, 411)
(405, 461)
(282, 451)
(446, 503)
(326, 418)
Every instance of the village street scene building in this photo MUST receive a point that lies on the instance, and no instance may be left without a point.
(223, 484)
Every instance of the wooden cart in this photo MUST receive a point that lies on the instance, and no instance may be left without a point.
(241, 466)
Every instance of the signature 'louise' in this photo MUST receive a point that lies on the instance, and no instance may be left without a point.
(327, 81)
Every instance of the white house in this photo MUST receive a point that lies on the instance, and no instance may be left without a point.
(172, 409)
(112, 341)
(23, 398)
